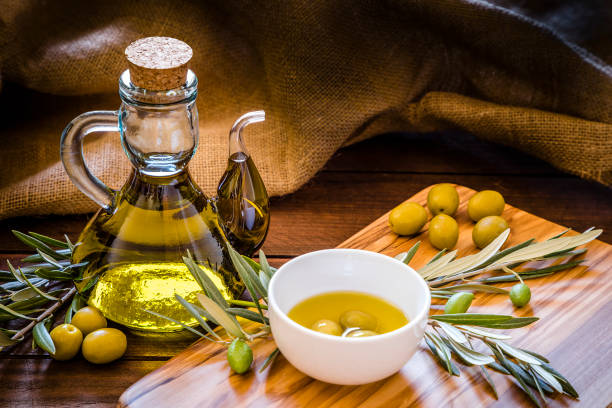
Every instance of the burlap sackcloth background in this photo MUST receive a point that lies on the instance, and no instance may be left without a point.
(328, 73)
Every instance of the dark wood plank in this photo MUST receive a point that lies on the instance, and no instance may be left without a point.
(448, 152)
(335, 205)
(43, 382)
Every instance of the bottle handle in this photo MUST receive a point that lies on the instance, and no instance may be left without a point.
(71, 151)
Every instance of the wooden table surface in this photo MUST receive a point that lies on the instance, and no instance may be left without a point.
(359, 184)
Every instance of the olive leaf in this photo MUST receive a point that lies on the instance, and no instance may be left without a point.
(204, 281)
(6, 341)
(569, 253)
(436, 265)
(548, 377)
(49, 259)
(560, 234)
(26, 293)
(247, 279)
(265, 266)
(60, 253)
(483, 333)
(485, 320)
(270, 359)
(248, 314)
(248, 276)
(245, 303)
(197, 316)
(541, 249)
(42, 338)
(69, 243)
(264, 279)
(565, 384)
(507, 251)
(35, 288)
(441, 351)
(472, 261)
(183, 325)
(35, 243)
(477, 288)
(512, 368)
(407, 256)
(536, 355)
(516, 353)
(487, 377)
(469, 355)
(14, 313)
(452, 332)
(498, 367)
(50, 241)
(437, 256)
(537, 382)
(227, 321)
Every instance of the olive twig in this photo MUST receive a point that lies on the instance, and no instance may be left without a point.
(21, 333)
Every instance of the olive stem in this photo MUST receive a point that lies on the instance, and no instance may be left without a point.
(259, 334)
(44, 315)
(508, 270)
(245, 303)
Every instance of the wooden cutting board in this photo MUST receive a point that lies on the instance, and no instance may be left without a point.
(575, 310)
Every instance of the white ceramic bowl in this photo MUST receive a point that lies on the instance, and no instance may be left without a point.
(338, 360)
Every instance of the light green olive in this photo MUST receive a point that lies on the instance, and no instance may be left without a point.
(520, 294)
(458, 303)
(239, 356)
(327, 326)
(362, 333)
(357, 318)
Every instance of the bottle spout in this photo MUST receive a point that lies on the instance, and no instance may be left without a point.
(236, 144)
(242, 200)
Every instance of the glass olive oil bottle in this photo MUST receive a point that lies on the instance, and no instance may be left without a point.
(134, 245)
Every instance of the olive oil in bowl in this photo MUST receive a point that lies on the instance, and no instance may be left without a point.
(354, 313)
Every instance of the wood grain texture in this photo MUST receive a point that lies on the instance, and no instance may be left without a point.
(574, 307)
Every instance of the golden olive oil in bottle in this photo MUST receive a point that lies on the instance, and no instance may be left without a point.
(135, 255)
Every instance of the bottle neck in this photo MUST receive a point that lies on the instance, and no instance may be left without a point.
(159, 129)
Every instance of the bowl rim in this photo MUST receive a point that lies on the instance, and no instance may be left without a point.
(413, 321)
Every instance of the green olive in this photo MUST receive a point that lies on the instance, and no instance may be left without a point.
(485, 203)
(407, 218)
(327, 326)
(458, 303)
(239, 356)
(357, 318)
(487, 229)
(520, 294)
(362, 333)
(443, 231)
(104, 345)
(67, 340)
(443, 199)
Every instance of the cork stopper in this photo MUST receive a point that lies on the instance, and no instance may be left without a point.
(158, 63)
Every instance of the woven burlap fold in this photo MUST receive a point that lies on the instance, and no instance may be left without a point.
(326, 73)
